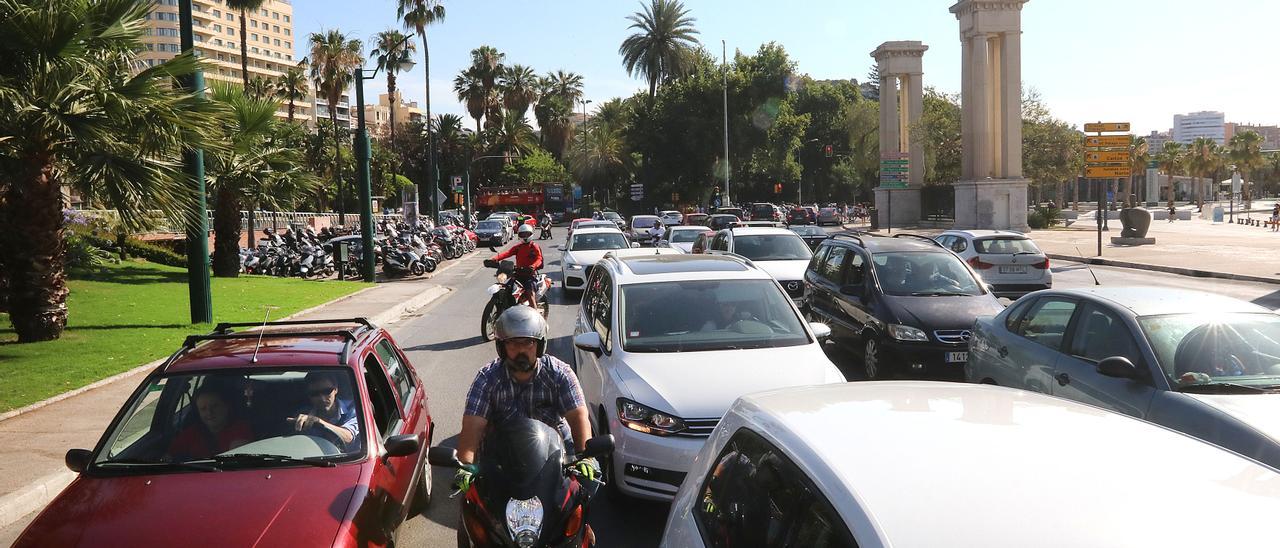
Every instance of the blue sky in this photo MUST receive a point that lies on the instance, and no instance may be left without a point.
(1140, 61)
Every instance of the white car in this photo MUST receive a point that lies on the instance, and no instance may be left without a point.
(586, 247)
(664, 343)
(671, 218)
(778, 251)
(682, 237)
(1008, 260)
(925, 464)
(639, 227)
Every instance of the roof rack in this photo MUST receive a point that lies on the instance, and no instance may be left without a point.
(925, 238)
(224, 327)
(222, 331)
(850, 236)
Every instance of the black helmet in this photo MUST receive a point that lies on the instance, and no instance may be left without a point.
(520, 321)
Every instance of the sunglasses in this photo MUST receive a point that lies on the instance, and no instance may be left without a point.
(317, 392)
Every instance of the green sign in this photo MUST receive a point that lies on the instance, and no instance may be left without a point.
(896, 185)
(895, 169)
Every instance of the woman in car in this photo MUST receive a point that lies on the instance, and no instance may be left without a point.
(218, 430)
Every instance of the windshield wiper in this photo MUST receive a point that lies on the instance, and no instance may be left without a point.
(939, 294)
(126, 463)
(1218, 387)
(263, 458)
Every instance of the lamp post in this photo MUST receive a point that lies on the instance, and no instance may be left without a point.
(198, 226)
(724, 73)
(362, 160)
(1235, 175)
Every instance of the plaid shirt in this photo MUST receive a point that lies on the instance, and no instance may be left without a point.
(553, 392)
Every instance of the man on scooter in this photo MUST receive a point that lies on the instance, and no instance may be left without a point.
(524, 382)
(528, 261)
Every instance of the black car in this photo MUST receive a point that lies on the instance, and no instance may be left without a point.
(905, 301)
(492, 233)
(811, 235)
(801, 216)
(722, 221)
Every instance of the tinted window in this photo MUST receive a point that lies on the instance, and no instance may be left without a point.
(1014, 318)
(385, 413)
(1100, 334)
(815, 264)
(833, 265)
(488, 225)
(684, 236)
(719, 243)
(755, 496)
(771, 247)
(1196, 348)
(643, 222)
(600, 311)
(598, 241)
(924, 273)
(715, 315)
(1046, 321)
(1005, 246)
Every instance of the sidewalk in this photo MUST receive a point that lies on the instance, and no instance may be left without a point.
(33, 442)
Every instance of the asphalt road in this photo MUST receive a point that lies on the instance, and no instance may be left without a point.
(444, 345)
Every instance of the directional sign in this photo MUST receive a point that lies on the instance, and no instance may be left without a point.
(1106, 172)
(1107, 141)
(901, 162)
(893, 184)
(1106, 157)
(1106, 126)
(894, 169)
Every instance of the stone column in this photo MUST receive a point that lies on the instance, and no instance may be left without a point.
(915, 107)
(901, 103)
(1011, 99)
(980, 137)
(966, 110)
(890, 137)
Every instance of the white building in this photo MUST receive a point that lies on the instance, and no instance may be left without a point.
(1211, 124)
(1156, 141)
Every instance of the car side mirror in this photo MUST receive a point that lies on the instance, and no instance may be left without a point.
(589, 341)
(446, 457)
(664, 243)
(598, 446)
(635, 244)
(401, 445)
(820, 330)
(1119, 367)
(78, 459)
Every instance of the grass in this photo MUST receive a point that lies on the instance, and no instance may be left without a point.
(122, 316)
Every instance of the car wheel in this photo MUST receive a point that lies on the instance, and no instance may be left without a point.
(871, 365)
(422, 495)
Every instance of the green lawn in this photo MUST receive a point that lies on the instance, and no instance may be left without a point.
(126, 315)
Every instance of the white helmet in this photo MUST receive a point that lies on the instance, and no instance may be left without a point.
(525, 232)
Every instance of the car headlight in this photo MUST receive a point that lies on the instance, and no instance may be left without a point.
(572, 266)
(524, 521)
(648, 420)
(907, 333)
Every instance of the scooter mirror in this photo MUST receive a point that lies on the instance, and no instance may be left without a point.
(445, 456)
(598, 446)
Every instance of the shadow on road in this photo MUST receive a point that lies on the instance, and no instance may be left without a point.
(449, 345)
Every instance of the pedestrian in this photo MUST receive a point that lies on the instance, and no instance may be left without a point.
(1173, 211)
(1275, 218)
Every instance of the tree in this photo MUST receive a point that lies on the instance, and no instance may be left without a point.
(77, 113)
(261, 88)
(938, 132)
(599, 155)
(486, 64)
(566, 85)
(1172, 158)
(663, 44)
(1245, 151)
(333, 58)
(1139, 155)
(537, 166)
(391, 49)
(512, 137)
(519, 87)
(1202, 161)
(242, 6)
(470, 89)
(555, 117)
(293, 87)
(417, 15)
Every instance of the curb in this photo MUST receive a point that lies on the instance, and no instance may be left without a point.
(1168, 269)
(34, 496)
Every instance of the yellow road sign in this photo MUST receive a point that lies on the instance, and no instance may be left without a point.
(1106, 126)
(1107, 141)
(1107, 157)
(1106, 172)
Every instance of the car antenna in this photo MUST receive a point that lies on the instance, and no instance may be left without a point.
(1086, 265)
(262, 331)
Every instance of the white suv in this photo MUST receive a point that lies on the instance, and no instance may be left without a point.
(778, 251)
(585, 247)
(1008, 260)
(665, 343)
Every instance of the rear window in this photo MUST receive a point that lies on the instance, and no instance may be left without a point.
(489, 225)
(685, 236)
(643, 222)
(1005, 246)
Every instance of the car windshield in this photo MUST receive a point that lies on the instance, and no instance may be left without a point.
(238, 419)
(924, 273)
(684, 236)
(1198, 348)
(643, 222)
(702, 315)
(599, 240)
(772, 247)
(489, 225)
(1005, 246)
(611, 215)
(806, 230)
(758, 211)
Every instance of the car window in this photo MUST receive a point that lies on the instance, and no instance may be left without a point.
(1046, 322)
(683, 236)
(815, 264)
(397, 370)
(385, 413)
(771, 247)
(720, 242)
(1100, 334)
(756, 496)
(1241, 348)
(833, 267)
(924, 273)
(719, 315)
(600, 311)
(700, 244)
(598, 241)
(643, 222)
(853, 275)
(1013, 319)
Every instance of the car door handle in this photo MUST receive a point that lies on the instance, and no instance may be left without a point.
(1003, 351)
(1063, 379)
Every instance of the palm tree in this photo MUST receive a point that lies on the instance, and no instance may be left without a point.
(600, 155)
(81, 110)
(1139, 155)
(242, 6)
(662, 48)
(470, 90)
(1246, 153)
(1202, 162)
(564, 84)
(555, 117)
(611, 113)
(519, 87)
(390, 50)
(293, 87)
(417, 15)
(333, 58)
(512, 137)
(261, 88)
(486, 64)
(451, 136)
(1172, 159)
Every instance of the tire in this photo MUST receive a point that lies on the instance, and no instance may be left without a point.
(872, 364)
(422, 495)
(487, 319)
(417, 269)
(429, 264)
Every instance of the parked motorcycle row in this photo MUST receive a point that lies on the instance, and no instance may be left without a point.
(401, 249)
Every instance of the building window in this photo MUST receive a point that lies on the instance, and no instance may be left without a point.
(275, 28)
(288, 57)
(286, 18)
(254, 49)
(231, 31)
(255, 37)
(217, 27)
(231, 17)
(277, 41)
(287, 32)
(217, 14)
(166, 32)
(253, 23)
(275, 15)
(165, 16)
(288, 44)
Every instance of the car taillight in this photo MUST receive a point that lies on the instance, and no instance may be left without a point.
(1043, 265)
(575, 522)
(979, 264)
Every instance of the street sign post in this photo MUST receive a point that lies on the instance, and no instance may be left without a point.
(1107, 157)
(1107, 141)
(1106, 127)
(457, 183)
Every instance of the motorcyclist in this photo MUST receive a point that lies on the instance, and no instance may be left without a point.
(523, 382)
(528, 261)
(656, 232)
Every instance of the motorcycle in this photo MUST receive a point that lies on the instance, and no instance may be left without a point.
(525, 493)
(544, 232)
(399, 260)
(505, 293)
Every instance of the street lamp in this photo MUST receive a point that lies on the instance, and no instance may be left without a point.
(193, 164)
(362, 158)
(1232, 191)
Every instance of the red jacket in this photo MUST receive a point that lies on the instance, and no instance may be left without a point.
(528, 255)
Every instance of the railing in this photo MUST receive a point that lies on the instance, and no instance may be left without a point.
(261, 219)
(938, 203)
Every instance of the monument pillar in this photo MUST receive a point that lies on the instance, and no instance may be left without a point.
(901, 104)
(992, 193)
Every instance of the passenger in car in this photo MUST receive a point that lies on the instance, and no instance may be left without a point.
(220, 427)
(327, 416)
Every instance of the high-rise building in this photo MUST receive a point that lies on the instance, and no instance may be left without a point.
(378, 117)
(1188, 127)
(1156, 141)
(1270, 134)
(270, 41)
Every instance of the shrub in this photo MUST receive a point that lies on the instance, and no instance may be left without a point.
(81, 253)
(138, 248)
(1043, 217)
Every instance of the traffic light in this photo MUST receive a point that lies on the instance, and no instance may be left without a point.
(826, 150)
(777, 188)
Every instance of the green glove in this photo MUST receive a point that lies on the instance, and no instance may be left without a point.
(462, 478)
(587, 468)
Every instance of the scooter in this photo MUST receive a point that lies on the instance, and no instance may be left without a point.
(544, 232)
(525, 491)
(506, 293)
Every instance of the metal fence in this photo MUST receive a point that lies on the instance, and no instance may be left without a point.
(161, 223)
(938, 203)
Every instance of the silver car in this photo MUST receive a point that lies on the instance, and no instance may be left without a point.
(1008, 260)
(1202, 364)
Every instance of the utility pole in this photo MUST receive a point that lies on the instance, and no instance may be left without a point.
(198, 225)
(724, 62)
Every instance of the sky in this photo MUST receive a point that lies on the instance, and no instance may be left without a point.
(1138, 61)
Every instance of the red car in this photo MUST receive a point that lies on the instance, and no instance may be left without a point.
(302, 433)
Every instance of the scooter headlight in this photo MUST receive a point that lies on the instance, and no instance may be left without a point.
(524, 521)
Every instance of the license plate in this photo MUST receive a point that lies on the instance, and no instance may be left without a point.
(1013, 270)
(957, 357)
